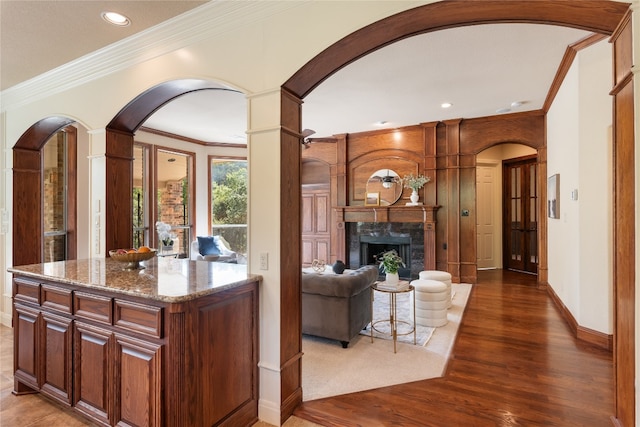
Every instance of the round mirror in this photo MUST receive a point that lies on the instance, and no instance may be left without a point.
(384, 188)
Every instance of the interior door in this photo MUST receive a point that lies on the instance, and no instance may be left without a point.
(488, 201)
(520, 177)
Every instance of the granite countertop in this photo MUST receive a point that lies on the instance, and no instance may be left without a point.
(163, 278)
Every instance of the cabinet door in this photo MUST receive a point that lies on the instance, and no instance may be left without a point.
(26, 348)
(93, 358)
(57, 345)
(138, 382)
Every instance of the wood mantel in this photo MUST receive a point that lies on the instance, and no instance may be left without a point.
(421, 213)
(425, 214)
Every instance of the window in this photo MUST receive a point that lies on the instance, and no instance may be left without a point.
(59, 200)
(228, 189)
(174, 196)
(140, 195)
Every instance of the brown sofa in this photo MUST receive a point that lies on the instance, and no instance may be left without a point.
(337, 306)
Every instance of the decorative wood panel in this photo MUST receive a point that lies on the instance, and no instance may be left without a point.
(624, 273)
(93, 370)
(139, 382)
(26, 346)
(290, 256)
(57, 356)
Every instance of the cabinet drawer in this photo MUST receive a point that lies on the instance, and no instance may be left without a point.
(93, 307)
(26, 290)
(55, 298)
(141, 318)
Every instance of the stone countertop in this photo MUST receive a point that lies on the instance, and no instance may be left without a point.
(163, 278)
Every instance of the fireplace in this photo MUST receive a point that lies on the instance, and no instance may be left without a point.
(367, 240)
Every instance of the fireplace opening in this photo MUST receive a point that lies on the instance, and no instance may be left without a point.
(372, 247)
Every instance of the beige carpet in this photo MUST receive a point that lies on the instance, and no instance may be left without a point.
(330, 370)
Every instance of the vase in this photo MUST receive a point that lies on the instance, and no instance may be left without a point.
(414, 197)
(339, 267)
(167, 249)
(392, 279)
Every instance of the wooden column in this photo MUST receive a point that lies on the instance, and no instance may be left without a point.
(290, 256)
(430, 166)
(452, 204)
(624, 235)
(467, 217)
(339, 198)
(118, 196)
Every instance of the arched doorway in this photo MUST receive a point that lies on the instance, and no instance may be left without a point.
(492, 228)
(598, 16)
(119, 154)
(28, 189)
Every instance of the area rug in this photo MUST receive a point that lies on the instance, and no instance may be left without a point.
(404, 315)
(329, 370)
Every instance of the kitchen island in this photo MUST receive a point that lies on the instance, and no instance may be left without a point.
(172, 344)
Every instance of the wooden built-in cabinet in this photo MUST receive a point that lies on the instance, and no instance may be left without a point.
(126, 361)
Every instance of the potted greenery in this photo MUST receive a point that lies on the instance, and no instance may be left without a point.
(390, 262)
(165, 235)
(415, 183)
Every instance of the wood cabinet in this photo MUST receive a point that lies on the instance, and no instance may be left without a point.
(131, 361)
(316, 226)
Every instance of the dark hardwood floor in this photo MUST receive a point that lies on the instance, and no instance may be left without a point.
(515, 363)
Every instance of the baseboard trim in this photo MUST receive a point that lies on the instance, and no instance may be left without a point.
(590, 336)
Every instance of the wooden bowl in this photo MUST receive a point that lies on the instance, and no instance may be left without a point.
(132, 259)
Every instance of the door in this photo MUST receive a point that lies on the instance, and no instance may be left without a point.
(489, 202)
(316, 230)
(520, 212)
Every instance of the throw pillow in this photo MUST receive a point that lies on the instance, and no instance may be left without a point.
(207, 246)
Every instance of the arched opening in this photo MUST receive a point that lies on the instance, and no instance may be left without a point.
(119, 154)
(28, 188)
(598, 16)
(493, 241)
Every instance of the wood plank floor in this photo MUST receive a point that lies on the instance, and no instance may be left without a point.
(515, 363)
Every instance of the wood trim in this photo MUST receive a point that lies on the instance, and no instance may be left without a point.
(290, 255)
(565, 65)
(590, 336)
(598, 16)
(190, 140)
(72, 191)
(624, 232)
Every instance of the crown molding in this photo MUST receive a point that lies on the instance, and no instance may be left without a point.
(210, 20)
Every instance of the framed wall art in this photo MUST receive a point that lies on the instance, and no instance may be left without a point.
(553, 196)
(372, 199)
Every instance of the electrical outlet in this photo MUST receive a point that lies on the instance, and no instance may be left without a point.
(264, 261)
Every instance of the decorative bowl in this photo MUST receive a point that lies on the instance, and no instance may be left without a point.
(132, 259)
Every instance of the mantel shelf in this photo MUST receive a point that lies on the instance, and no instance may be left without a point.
(397, 213)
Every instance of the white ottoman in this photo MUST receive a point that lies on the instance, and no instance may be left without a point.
(440, 276)
(431, 302)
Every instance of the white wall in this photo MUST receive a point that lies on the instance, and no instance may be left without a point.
(579, 149)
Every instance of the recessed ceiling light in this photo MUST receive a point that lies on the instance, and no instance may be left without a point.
(516, 104)
(503, 110)
(381, 123)
(115, 18)
(446, 105)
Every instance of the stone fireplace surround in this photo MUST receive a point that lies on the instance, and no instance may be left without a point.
(366, 239)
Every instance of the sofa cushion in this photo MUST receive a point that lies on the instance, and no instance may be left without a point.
(207, 246)
(344, 285)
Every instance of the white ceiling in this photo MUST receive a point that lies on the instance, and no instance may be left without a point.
(479, 69)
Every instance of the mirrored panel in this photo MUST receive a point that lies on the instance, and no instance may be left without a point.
(384, 188)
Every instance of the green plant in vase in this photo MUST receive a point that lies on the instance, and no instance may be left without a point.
(390, 263)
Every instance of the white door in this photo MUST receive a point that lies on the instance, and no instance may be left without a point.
(488, 199)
